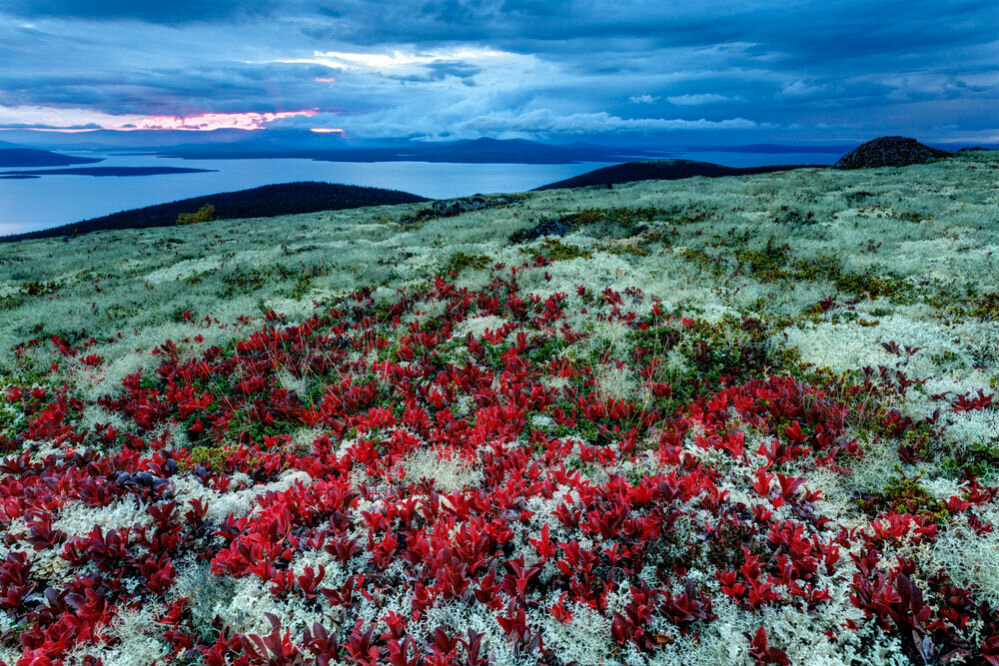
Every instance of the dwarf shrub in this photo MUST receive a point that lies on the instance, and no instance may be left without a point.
(204, 214)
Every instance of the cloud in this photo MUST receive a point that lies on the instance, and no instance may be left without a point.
(173, 12)
(696, 100)
(801, 89)
(398, 60)
(482, 67)
(544, 120)
(56, 118)
(533, 123)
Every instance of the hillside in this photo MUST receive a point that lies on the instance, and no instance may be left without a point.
(266, 201)
(656, 170)
(734, 420)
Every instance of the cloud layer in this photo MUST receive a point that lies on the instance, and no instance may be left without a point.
(507, 68)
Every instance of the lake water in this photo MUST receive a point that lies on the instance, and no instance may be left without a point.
(38, 203)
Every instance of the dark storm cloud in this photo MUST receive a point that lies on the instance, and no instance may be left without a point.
(171, 12)
(516, 23)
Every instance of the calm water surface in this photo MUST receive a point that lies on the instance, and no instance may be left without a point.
(37, 203)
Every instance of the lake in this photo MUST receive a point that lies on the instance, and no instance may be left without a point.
(28, 204)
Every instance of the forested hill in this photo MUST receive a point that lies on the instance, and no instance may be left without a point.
(657, 170)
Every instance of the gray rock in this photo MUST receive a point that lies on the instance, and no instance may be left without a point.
(559, 227)
(452, 207)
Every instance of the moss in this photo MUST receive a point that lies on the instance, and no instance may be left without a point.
(910, 216)
(40, 288)
(11, 302)
(626, 217)
(774, 263)
(872, 286)
(980, 459)
(947, 358)
(986, 306)
(625, 250)
(707, 354)
(216, 458)
(703, 260)
(692, 213)
(905, 495)
(459, 261)
(556, 250)
(303, 281)
(792, 216)
(244, 281)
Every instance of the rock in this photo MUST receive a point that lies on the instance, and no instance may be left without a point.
(888, 151)
(559, 227)
(452, 207)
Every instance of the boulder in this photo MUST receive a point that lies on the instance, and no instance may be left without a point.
(452, 207)
(559, 227)
(888, 151)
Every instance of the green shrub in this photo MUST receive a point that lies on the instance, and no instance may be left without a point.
(205, 214)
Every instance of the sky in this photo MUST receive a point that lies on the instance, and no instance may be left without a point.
(791, 71)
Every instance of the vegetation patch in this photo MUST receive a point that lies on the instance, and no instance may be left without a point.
(774, 263)
(556, 250)
(460, 261)
(204, 214)
(723, 453)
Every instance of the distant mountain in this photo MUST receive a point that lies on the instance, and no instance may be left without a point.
(656, 170)
(771, 148)
(274, 143)
(28, 157)
(132, 140)
(266, 201)
(480, 151)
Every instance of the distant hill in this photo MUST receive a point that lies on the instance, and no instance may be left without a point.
(266, 201)
(29, 157)
(773, 148)
(657, 170)
(277, 143)
(477, 151)
(102, 172)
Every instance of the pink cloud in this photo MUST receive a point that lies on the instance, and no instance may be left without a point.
(208, 121)
(326, 130)
(62, 119)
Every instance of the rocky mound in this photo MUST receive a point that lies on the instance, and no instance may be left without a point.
(888, 151)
